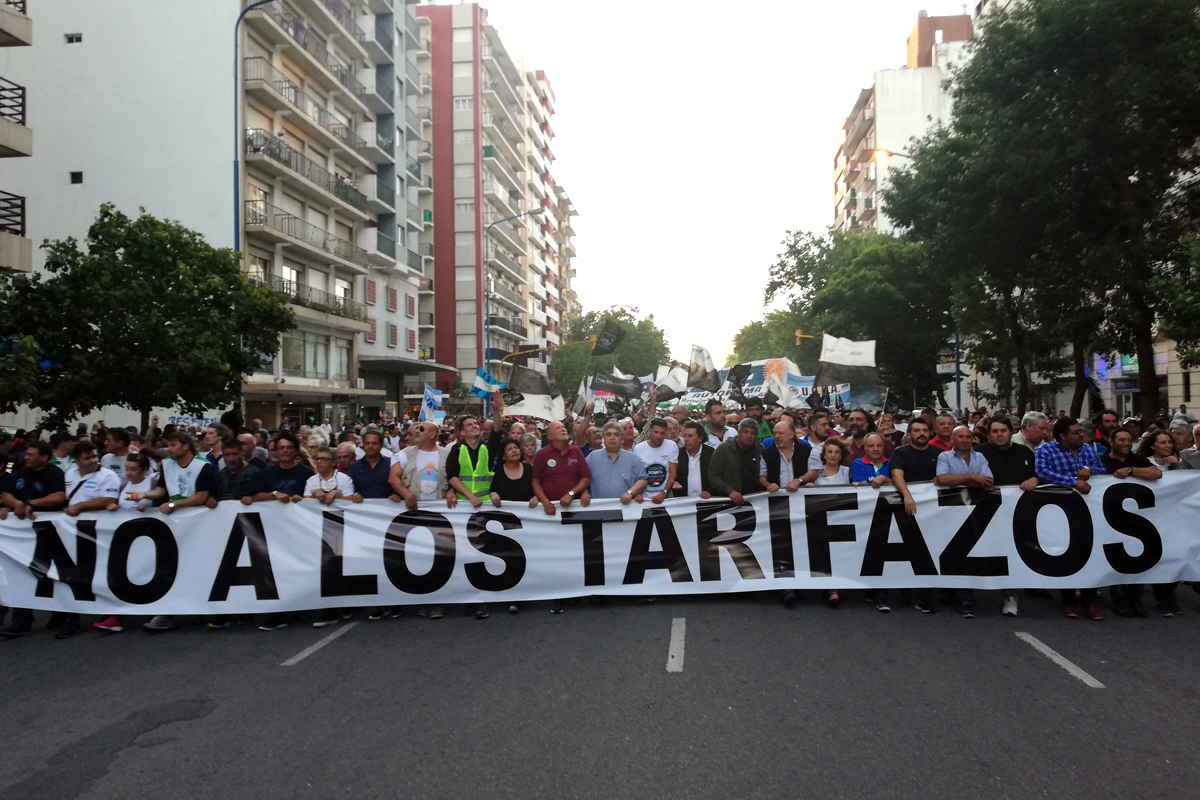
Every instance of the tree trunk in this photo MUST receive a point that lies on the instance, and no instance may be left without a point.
(1079, 360)
(145, 420)
(1021, 355)
(1143, 339)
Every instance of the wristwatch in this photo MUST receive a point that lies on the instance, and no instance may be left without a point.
(171, 505)
(571, 493)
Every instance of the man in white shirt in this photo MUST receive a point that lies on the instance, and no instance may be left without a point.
(660, 455)
(116, 443)
(328, 484)
(716, 429)
(90, 488)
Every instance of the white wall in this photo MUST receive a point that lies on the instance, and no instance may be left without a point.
(143, 107)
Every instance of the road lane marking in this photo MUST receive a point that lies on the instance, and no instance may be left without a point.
(675, 652)
(308, 651)
(1051, 654)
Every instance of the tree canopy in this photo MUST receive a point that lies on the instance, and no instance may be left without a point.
(639, 353)
(146, 315)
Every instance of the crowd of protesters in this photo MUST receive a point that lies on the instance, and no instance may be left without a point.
(640, 458)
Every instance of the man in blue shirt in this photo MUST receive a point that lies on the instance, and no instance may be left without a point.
(1067, 462)
(370, 473)
(615, 472)
(960, 466)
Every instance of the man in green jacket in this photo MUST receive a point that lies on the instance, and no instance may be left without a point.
(733, 472)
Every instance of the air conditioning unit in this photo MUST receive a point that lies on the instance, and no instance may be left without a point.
(359, 383)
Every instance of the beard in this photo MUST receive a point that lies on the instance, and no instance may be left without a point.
(855, 431)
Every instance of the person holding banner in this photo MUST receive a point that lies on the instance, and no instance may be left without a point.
(420, 477)
(559, 470)
(692, 479)
(963, 467)
(736, 463)
(785, 464)
(285, 479)
(716, 428)
(1121, 462)
(468, 464)
(873, 468)
(660, 457)
(1011, 465)
(616, 473)
(1065, 461)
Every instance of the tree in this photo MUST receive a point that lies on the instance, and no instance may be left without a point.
(774, 336)
(868, 286)
(642, 350)
(146, 315)
(1056, 185)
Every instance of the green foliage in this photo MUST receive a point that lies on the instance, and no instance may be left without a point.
(774, 336)
(19, 372)
(639, 353)
(147, 314)
(1051, 205)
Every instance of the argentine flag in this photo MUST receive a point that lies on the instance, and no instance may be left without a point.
(484, 384)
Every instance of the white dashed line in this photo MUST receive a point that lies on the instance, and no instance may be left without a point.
(1051, 654)
(308, 651)
(675, 652)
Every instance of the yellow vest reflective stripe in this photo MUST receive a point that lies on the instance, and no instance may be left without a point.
(477, 478)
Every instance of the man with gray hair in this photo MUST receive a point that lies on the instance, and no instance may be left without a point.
(1033, 431)
(733, 471)
(615, 472)
(1190, 456)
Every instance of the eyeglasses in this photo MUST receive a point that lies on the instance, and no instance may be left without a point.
(322, 458)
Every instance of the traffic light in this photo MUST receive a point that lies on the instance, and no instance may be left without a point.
(592, 341)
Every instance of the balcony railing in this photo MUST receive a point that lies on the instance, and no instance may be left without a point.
(12, 213)
(414, 167)
(316, 299)
(427, 249)
(410, 22)
(260, 212)
(414, 212)
(413, 120)
(345, 19)
(425, 285)
(386, 143)
(425, 354)
(387, 245)
(385, 192)
(425, 113)
(259, 69)
(508, 294)
(425, 318)
(12, 101)
(383, 35)
(262, 142)
(426, 81)
(497, 353)
(414, 260)
(298, 30)
(413, 74)
(16, 5)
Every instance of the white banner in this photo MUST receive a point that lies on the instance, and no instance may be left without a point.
(278, 557)
(836, 350)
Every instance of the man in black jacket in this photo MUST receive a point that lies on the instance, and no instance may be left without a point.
(692, 478)
(1011, 465)
(785, 463)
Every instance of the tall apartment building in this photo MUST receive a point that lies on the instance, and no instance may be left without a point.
(900, 105)
(495, 285)
(16, 140)
(330, 190)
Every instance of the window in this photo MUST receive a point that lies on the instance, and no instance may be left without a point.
(412, 340)
(293, 354)
(76, 177)
(392, 299)
(291, 275)
(370, 334)
(464, 207)
(464, 103)
(464, 137)
(371, 299)
(258, 268)
(410, 304)
(74, 38)
(305, 355)
(341, 359)
(341, 288)
(393, 335)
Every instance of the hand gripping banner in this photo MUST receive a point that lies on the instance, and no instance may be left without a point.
(277, 557)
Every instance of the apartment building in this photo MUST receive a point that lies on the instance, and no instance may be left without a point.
(900, 105)
(498, 267)
(16, 141)
(327, 136)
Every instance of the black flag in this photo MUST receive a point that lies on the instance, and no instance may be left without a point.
(628, 387)
(610, 336)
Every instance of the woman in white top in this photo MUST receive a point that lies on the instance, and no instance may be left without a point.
(833, 452)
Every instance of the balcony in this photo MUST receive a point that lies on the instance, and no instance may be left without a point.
(424, 46)
(427, 216)
(270, 86)
(425, 286)
(504, 232)
(273, 156)
(492, 159)
(425, 319)
(282, 28)
(381, 90)
(506, 295)
(16, 251)
(15, 138)
(426, 82)
(382, 45)
(497, 353)
(426, 184)
(414, 260)
(498, 194)
(412, 75)
(501, 67)
(498, 131)
(411, 27)
(426, 115)
(381, 145)
(424, 151)
(316, 299)
(868, 209)
(279, 226)
(507, 326)
(426, 250)
(414, 168)
(16, 29)
(414, 216)
(413, 121)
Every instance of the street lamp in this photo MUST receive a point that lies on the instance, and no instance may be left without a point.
(237, 131)
(487, 308)
(880, 154)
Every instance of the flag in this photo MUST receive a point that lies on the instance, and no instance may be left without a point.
(844, 361)
(583, 396)
(484, 383)
(702, 374)
(609, 337)
(528, 393)
(670, 381)
(430, 402)
(617, 383)
(735, 381)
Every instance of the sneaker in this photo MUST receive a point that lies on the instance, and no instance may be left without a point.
(347, 613)
(882, 607)
(514, 609)
(326, 618)
(16, 631)
(1165, 610)
(435, 612)
(159, 623)
(1093, 611)
(645, 601)
(1175, 608)
(966, 611)
(377, 613)
(395, 612)
(556, 607)
(1010, 606)
(1071, 612)
(1124, 610)
(789, 598)
(109, 625)
(925, 607)
(481, 612)
(273, 625)
(219, 624)
(1139, 610)
(834, 600)
(68, 630)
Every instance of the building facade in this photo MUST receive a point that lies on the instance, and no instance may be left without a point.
(16, 141)
(900, 105)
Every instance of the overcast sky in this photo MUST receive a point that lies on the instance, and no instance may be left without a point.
(691, 137)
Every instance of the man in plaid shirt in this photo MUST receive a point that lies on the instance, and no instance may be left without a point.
(1067, 461)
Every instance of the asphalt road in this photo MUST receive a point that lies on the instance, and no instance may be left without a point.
(770, 703)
